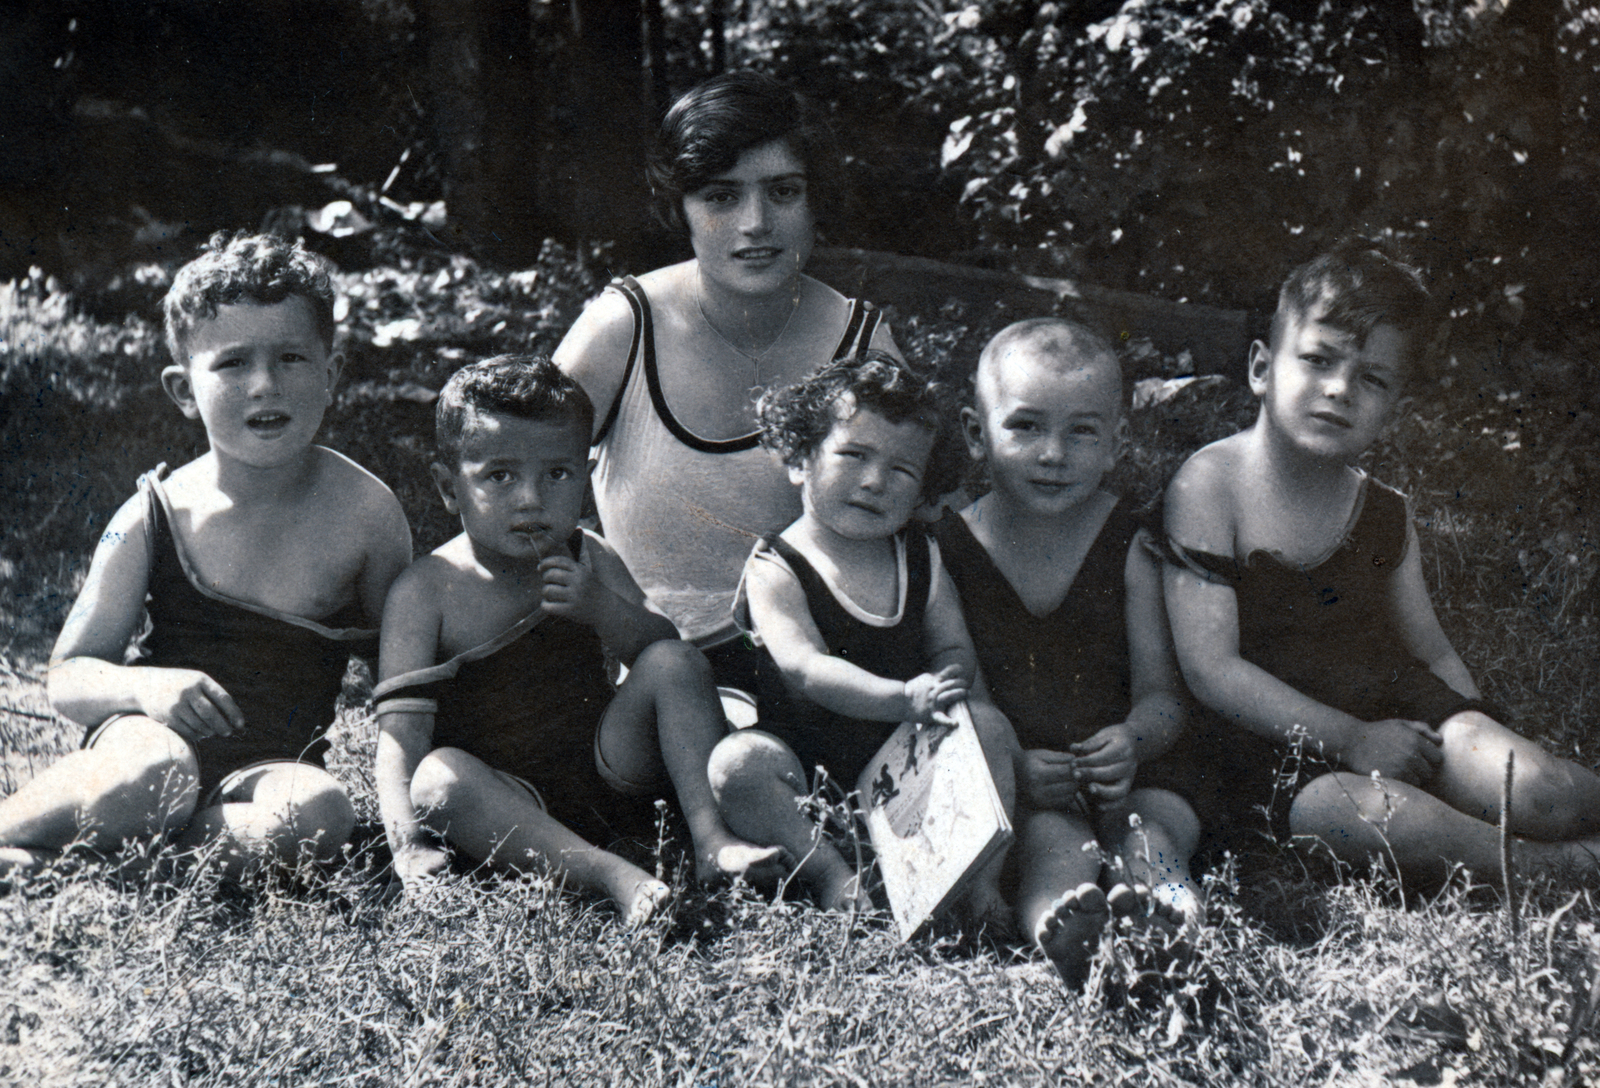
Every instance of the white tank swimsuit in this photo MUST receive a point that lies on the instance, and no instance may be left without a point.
(684, 511)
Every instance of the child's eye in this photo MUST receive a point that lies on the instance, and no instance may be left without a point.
(1377, 381)
(909, 473)
(1315, 360)
(500, 476)
(1086, 430)
(293, 357)
(561, 472)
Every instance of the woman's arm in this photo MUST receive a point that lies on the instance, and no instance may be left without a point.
(780, 615)
(1413, 614)
(595, 350)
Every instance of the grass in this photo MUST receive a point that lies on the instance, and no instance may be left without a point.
(121, 975)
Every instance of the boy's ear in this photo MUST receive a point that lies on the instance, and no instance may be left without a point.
(445, 481)
(1260, 363)
(175, 380)
(797, 473)
(972, 433)
(335, 368)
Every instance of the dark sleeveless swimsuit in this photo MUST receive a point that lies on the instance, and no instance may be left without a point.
(1063, 677)
(817, 735)
(683, 511)
(1325, 630)
(284, 672)
(529, 702)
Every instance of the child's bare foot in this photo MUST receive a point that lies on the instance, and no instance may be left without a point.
(725, 858)
(1069, 932)
(642, 901)
(19, 862)
(844, 891)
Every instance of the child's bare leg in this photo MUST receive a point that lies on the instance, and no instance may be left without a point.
(491, 818)
(139, 780)
(757, 781)
(984, 904)
(277, 813)
(1053, 867)
(1156, 854)
(1360, 820)
(667, 715)
(1552, 799)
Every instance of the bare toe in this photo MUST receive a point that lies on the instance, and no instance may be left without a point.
(647, 897)
(1124, 899)
(737, 858)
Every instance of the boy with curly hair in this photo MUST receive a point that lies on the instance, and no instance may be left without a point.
(244, 580)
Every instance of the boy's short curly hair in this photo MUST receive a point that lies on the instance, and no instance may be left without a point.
(711, 125)
(1360, 284)
(525, 386)
(795, 419)
(243, 267)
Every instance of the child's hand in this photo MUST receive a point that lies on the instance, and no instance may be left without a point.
(1403, 750)
(933, 693)
(571, 589)
(188, 702)
(1049, 779)
(1106, 761)
(417, 865)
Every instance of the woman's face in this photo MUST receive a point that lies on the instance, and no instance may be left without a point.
(751, 227)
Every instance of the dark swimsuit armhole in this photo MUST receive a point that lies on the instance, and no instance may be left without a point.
(859, 330)
(1222, 570)
(630, 290)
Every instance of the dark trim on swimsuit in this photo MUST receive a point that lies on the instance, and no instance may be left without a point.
(634, 294)
(864, 319)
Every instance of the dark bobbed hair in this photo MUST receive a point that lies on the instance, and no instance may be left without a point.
(1360, 284)
(525, 386)
(709, 127)
(795, 419)
(252, 268)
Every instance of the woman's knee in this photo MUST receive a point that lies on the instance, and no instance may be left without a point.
(750, 759)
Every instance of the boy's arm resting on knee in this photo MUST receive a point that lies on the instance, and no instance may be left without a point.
(1160, 709)
(1412, 611)
(606, 598)
(86, 680)
(780, 615)
(410, 641)
(1204, 617)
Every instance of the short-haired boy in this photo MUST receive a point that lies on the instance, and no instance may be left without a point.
(1299, 611)
(500, 730)
(257, 564)
(1064, 605)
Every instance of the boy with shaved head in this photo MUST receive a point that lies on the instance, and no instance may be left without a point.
(1067, 618)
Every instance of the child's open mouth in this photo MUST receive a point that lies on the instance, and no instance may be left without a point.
(268, 422)
(1332, 420)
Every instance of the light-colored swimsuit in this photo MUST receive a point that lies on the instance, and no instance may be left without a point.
(683, 511)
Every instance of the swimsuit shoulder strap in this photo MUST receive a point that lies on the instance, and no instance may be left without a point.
(859, 330)
(642, 336)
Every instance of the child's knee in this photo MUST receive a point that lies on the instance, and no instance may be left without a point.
(438, 779)
(751, 759)
(1160, 812)
(672, 661)
(1342, 805)
(142, 764)
(310, 806)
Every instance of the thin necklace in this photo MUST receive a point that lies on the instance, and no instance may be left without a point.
(754, 357)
